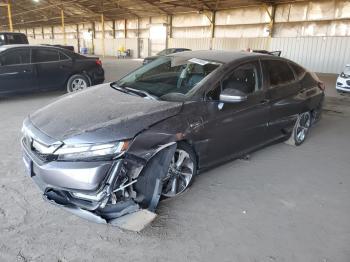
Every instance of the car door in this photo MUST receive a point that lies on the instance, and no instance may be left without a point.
(283, 88)
(53, 67)
(17, 74)
(233, 129)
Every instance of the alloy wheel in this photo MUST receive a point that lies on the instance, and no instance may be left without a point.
(78, 84)
(302, 127)
(181, 171)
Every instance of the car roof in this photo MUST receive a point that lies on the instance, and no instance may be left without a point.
(218, 55)
(11, 33)
(6, 47)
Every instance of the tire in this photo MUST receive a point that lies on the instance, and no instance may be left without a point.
(77, 82)
(183, 173)
(316, 114)
(301, 129)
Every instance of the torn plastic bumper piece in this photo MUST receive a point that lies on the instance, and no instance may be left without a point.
(131, 214)
(131, 217)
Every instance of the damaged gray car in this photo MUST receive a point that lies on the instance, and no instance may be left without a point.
(145, 137)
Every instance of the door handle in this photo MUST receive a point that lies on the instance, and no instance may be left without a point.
(27, 71)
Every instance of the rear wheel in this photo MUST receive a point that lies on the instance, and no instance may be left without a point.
(77, 82)
(301, 129)
(182, 170)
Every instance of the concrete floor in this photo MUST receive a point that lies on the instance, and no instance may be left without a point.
(284, 204)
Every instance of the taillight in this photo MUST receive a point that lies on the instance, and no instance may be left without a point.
(322, 86)
(99, 62)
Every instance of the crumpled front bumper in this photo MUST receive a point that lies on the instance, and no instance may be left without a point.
(59, 181)
(89, 188)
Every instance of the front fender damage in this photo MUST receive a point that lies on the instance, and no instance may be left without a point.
(131, 192)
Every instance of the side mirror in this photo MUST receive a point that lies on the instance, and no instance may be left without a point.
(230, 95)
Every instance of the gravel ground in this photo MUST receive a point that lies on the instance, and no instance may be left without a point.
(284, 204)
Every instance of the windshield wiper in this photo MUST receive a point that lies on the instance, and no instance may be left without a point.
(138, 92)
(141, 92)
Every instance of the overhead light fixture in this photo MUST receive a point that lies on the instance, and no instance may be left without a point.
(36, 1)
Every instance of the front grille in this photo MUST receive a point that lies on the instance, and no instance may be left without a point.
(27, 142)
(44, 157)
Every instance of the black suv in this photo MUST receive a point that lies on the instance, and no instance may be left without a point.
(7, 38)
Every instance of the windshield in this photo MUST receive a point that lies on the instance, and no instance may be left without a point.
(168, 76)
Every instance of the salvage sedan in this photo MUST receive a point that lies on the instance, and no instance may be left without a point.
(31, 68)
(146, 136)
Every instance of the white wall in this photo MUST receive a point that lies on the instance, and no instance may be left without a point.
(112, 46)
(40, 41)
(191, 43)
(319, 54)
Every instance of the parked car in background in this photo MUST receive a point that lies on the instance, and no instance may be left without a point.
(343, 80)
(9, 38)
(28, 68)
(147, 135)
(164, 53)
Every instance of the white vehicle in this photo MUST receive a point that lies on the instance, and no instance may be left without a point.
(343, 81)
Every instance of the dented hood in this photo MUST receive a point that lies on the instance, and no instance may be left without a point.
(100, 114)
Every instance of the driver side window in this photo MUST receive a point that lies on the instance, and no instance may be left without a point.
(245, 78)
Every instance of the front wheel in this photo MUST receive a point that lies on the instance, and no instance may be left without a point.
(301, 129)
(182, 170)
(77, 82)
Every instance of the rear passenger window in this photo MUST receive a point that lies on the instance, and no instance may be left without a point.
(63, 56)
(279, 72)
(45, 55)
(298, 70)
(15, 57)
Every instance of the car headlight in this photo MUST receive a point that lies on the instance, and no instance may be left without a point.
(91, 151)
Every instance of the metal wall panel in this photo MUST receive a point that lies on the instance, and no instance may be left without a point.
(191, 43)
(319, 54)
(241, 43)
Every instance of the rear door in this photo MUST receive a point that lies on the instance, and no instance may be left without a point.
(283, 88)
(53, 67)
(17, 74)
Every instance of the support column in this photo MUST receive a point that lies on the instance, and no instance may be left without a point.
(63, 27)
(272, 19)
(212, 29)
(138, 38)
(103, 35)
(78, 38)
(113, 25)
(93, 37)
(52, 34)
(9, 12)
